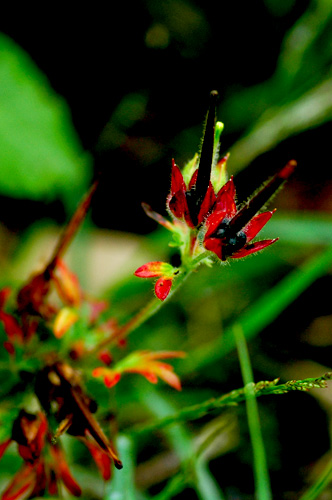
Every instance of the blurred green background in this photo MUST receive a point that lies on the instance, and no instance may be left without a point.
(123, 91)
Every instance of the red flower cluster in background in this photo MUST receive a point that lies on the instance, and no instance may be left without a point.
(44, 463)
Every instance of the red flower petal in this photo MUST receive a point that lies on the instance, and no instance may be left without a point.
(32, 296)
(4, 294)
(22, 485)
(208, 203)
(9, 348)
(226, 199)
(62, 470)
(111, 381)
(287, 170)
(177, 182)
(256, 224)
(177, 201)
(213, 221)
(11, 326)
(162, 288)
(52, 483)
(110, 376)
(4, 446)
(215, 245)
(193, 179)
(168, 376)
(178, 205)
(72, 486)
(252, 248)
(102, 460)
(151, 270)
(41, 480)
(149, 375)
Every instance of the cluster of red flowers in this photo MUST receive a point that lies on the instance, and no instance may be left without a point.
(204, 212)
(41, 471)
(44, 460)
(56, 384)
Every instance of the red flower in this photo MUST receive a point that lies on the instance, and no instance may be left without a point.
(101, 458)
(40, 470)
(229, 231)
(145, 363)
(74, 409)
(178, 200)
(166, 273)
(16, 333)
(202, 206)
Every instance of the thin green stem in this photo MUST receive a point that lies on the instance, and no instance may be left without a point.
(233, 398)
(148, 311)
(262, 480)
(319, 486)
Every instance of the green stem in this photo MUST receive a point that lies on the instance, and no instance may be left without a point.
(263, 388)
(262, 480)
(319, 486)
(150, 309)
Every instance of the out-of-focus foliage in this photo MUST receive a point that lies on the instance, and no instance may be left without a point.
(40, 154)
(296, 98)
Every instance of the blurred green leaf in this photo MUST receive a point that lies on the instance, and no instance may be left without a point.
(310, 110)
(122, 486)
(301, 228)
(40, 154)
(298, 95)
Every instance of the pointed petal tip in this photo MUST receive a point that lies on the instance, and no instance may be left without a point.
(286, 171)
(253, 248)
(149, 270)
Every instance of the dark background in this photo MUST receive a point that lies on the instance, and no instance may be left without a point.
(100, 54)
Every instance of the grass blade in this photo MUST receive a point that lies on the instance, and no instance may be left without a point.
(319, 486)
(262, 480)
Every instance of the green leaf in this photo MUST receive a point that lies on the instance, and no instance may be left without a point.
(122, 486)
(40, 154)
(308, 111)
(262, 480)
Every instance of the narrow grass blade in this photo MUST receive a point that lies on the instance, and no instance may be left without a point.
(319, 486)
(194, 472)
(262, 480)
